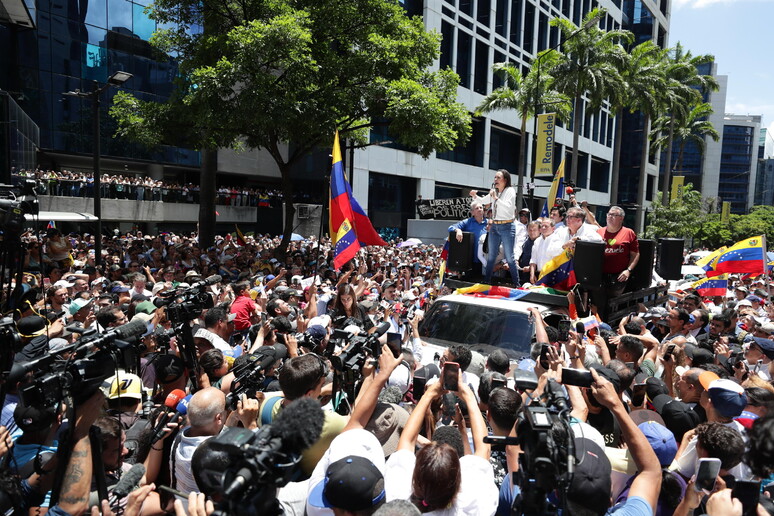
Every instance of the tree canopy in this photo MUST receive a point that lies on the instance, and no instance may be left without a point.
(265, 73)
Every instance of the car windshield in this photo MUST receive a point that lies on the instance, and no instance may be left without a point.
(484, 328)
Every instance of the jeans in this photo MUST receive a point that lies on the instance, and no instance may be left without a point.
(504, 234)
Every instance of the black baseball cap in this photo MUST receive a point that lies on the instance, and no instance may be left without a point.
(353, 483)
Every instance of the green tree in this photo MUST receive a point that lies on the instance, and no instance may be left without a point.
(591, 64)
(641, 79)
(681, 218)
(683, 90)
(713, 233)
(522, 94)
(693, 127)
(266, 74)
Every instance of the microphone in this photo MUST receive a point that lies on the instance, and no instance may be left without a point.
(206, 282)
(580, 328)
(129, 481)
(173, 398)
(381, 329)
(557, 393)
(296, 428)
(131, 329)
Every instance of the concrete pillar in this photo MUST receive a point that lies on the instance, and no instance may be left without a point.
(156, 171)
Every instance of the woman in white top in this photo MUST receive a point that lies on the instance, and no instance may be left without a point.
(502, 229)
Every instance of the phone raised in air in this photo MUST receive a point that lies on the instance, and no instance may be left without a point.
(748, 492)
(706, 474)
(564, 330)
(451, 376)
(577, 377)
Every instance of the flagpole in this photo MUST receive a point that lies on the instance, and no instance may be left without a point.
(322, 220)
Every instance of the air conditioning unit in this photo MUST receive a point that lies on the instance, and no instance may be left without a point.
(303, 211)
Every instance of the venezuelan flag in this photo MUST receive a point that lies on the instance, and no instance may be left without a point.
(708, 262)
(745, 256)
(559, 272)
(482, 290)
(240, 237)
(556, 189)
(349, 226)
(715, 286)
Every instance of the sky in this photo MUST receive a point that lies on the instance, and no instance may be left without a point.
(739, 33)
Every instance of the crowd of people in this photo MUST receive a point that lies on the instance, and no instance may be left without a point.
(69, 183)
(643, 407)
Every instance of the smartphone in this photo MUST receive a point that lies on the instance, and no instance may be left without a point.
(706, 474)
(264, 317)
(564, 330)
(544, 356)
(577, 377)
(747, 492)
(419, 387)
(46, 282)
(451, 376)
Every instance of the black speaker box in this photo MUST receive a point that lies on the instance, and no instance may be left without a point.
(670, 258)
(588, 263)
(460, 253)
(643, 271)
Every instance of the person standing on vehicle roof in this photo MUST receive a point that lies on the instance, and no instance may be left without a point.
(622, 252)
(475, 224)
(502, 229)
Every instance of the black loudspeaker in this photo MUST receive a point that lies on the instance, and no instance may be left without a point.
(670, 258)
(588, 263)
(643, 271)
(460, 253)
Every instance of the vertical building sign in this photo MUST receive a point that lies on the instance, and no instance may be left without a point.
(725, 212)
(544, 155)
(677, 187)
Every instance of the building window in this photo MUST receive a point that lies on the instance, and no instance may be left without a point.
(472, 152)
(481, 68)
(504, 145)
(447, 44)
(464, 42)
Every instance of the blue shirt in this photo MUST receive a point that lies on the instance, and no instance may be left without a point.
(471, 226)
(634, 506)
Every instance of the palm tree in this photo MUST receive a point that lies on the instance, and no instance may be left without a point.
(641, 79)
(694, 127)
(522, 94)
(591, 65)
(687, 86)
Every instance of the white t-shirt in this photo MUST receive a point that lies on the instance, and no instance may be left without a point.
(478, 495)
(561, 236)
(504, 207)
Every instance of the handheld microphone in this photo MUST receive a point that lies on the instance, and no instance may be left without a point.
(173, 398)
(129, 481)
(580, 328)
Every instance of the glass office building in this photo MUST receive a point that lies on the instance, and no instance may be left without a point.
(77, 45)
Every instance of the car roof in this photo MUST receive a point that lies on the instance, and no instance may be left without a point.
(503, 304)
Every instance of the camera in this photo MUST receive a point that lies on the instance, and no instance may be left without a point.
(260, 462)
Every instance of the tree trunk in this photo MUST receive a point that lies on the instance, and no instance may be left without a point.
(523, 171)
(576, 124)
(642, 186)
(616, 157)
(665, 194)
(290, 211)
(208, 169)
(680, 155)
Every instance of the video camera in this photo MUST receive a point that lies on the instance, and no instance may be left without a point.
(356, 348)
(249, 375)
(15, 203)
(80, 377)
(185, 305)
(260, 462)
(546, 442)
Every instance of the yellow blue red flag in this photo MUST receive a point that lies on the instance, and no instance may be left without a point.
(714, 286)
(349, 225)
(557, 185)
(745, 256)
(559, 272)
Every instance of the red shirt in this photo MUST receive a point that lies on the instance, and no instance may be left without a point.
(244, 307)
(618, 249)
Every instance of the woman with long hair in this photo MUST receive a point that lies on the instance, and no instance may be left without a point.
(346, 311)
(437, 480)
(502, 227)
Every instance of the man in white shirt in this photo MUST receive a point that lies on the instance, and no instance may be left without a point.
(539, 256)
(575, 229)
